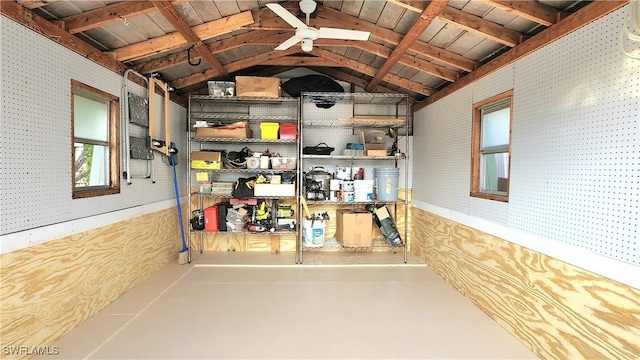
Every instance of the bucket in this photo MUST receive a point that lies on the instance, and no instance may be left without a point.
(386, 183)
(312, 233)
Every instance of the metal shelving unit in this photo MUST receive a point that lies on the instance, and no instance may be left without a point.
(339, 113)
(211, 111)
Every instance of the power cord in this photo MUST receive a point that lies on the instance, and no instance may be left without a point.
(631, 31)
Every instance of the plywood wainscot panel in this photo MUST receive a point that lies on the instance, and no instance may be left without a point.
(51, 288)
(558, 310)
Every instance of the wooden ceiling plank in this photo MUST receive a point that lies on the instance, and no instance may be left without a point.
(107, 15)
(480, 26)
(529, 9)
(426, 17)
(250, 38)
(580, 18)
(171, 14)
(389, 36)
(175, 40)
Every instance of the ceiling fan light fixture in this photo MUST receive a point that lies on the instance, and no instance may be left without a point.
(307, 45)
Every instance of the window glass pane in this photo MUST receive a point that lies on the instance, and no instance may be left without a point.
(90, 119)
(495, 128)
(494, 171)
(92, 167)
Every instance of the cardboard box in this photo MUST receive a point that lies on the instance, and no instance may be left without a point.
(239, 130)
(353, 228)
(253, 86)
(206, 160)
(274, 190)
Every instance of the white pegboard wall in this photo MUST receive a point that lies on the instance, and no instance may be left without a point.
(575, 161)
(440, 162)
(35, 142)
(576, 154)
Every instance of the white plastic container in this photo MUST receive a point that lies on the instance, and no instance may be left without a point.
(313, 233)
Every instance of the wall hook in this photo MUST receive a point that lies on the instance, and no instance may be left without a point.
(189, 58)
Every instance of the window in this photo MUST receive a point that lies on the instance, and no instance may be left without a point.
(94, 122)
(491, 147)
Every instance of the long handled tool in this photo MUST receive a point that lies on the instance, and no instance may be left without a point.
(183, 255)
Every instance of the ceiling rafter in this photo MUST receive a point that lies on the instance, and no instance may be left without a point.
(430, 12)
(371, 71)
(250, 38)
(232, 67)
(475, 24)
(107, 15)
(328, 17)
(171, 14)
(358, 81)
(175, 40)
(21, 15)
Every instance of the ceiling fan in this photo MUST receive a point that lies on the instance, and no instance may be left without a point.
(306, 34)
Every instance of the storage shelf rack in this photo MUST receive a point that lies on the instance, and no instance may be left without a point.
(343, 111)
(208, 111)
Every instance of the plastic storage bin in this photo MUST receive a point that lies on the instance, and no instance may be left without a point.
(288, 131)
(269, 130)
(222, 88)
(283, 163)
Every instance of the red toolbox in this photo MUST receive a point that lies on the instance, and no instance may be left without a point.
(211, 218)
(288, 131)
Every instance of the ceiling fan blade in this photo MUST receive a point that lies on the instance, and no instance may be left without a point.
(342, 34)
(288, 43)
(286, 15)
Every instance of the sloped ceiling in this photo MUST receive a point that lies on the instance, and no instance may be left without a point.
(422, 48)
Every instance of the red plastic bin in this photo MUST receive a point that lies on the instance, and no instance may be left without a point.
(288, 131)
(211, 218)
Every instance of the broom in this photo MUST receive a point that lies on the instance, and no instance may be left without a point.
(183, 255)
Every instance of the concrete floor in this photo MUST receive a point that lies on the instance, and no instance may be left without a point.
(263, 306)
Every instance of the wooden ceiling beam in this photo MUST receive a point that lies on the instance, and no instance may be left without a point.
(261, 59)
(471, 23)
(426, 17)
(306, 61)
(171, 14)
(107, 15)
(481, 27)
(580, 18)
(232, 67)
(250, 38)
(358, 81)
(530, 10)
(175, 40)
(27, 18)
(333, 18)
